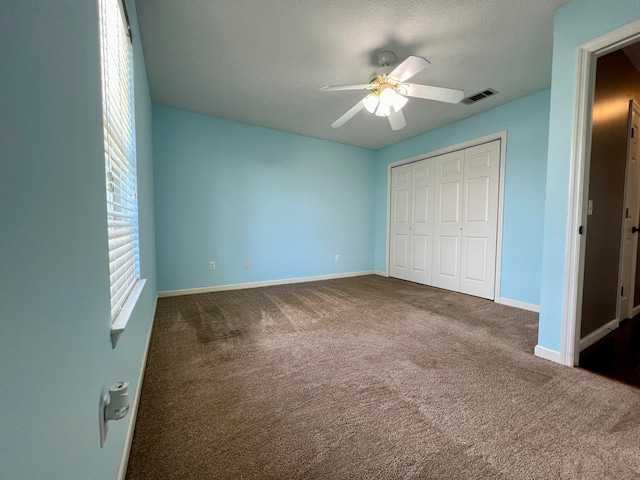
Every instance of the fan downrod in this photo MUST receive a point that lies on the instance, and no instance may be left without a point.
(385, 60)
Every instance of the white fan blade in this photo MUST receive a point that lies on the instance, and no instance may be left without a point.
(450, 95)
(397, 120)
(409, 68)
(347, 116)
(336, 88)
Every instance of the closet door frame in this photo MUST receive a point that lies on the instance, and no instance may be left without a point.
(502, 136)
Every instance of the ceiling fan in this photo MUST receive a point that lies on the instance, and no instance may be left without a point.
(389, 91)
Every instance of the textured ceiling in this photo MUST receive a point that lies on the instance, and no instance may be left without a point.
(263, 62)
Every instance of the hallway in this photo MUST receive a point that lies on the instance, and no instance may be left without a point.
(617, 355)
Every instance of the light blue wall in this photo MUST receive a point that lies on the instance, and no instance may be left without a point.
(576, 23)
(526, 121)
(56, 356)
(227, 192)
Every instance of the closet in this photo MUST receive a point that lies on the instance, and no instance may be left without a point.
(444, 220)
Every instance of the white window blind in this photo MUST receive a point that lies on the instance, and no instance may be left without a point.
(120, 157)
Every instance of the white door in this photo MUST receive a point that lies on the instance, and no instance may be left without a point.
(480, 220)
(447, 220)
(400, 214)
(411, 221)
(421, 222)
(630, 216)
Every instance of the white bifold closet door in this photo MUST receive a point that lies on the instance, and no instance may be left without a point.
(412, 221)
(444, 220)
(448, 221)
(466, 220)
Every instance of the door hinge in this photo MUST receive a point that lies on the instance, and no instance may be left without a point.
(633, 132)
(580, 230)
(622, 291)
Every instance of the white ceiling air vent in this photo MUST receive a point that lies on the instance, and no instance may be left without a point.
(476, 97)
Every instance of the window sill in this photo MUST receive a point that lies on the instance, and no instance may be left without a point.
(121, 321)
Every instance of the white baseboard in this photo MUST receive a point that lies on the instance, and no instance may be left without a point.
(547, 354)
(517, 304)
(128, 440)
(380, 272)
(268, 283)
(593, 337)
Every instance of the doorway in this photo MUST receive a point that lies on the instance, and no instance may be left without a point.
(582, 324)
(612, 209)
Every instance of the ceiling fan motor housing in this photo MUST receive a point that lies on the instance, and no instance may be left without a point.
(386, 61)
(386, 58)
(380, 71)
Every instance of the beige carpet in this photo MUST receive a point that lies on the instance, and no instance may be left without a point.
(366, 378)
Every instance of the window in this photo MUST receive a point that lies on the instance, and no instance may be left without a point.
(120, 160)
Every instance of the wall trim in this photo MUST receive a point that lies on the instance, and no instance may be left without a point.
(586, 57)
(128, 440)
(502, 136)
(380, 272)
(547, 354)
(267, 283)
(596, 335)
(532, 307)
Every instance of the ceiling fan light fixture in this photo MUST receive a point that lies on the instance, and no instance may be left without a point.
(383, 110)
(390, 98)
(371, 102)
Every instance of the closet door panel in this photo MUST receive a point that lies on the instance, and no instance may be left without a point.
(400, 222)
(422, 176)
(420, 258)
(401, 255)
(447, 220)
(449, 247)
(480, 220)
(475, 259)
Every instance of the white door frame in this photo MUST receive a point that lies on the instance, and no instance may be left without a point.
(587, 55)
(502, 136)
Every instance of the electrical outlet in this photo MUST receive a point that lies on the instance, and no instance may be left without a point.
(212, 265)
(247, 263)
(337, 258)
